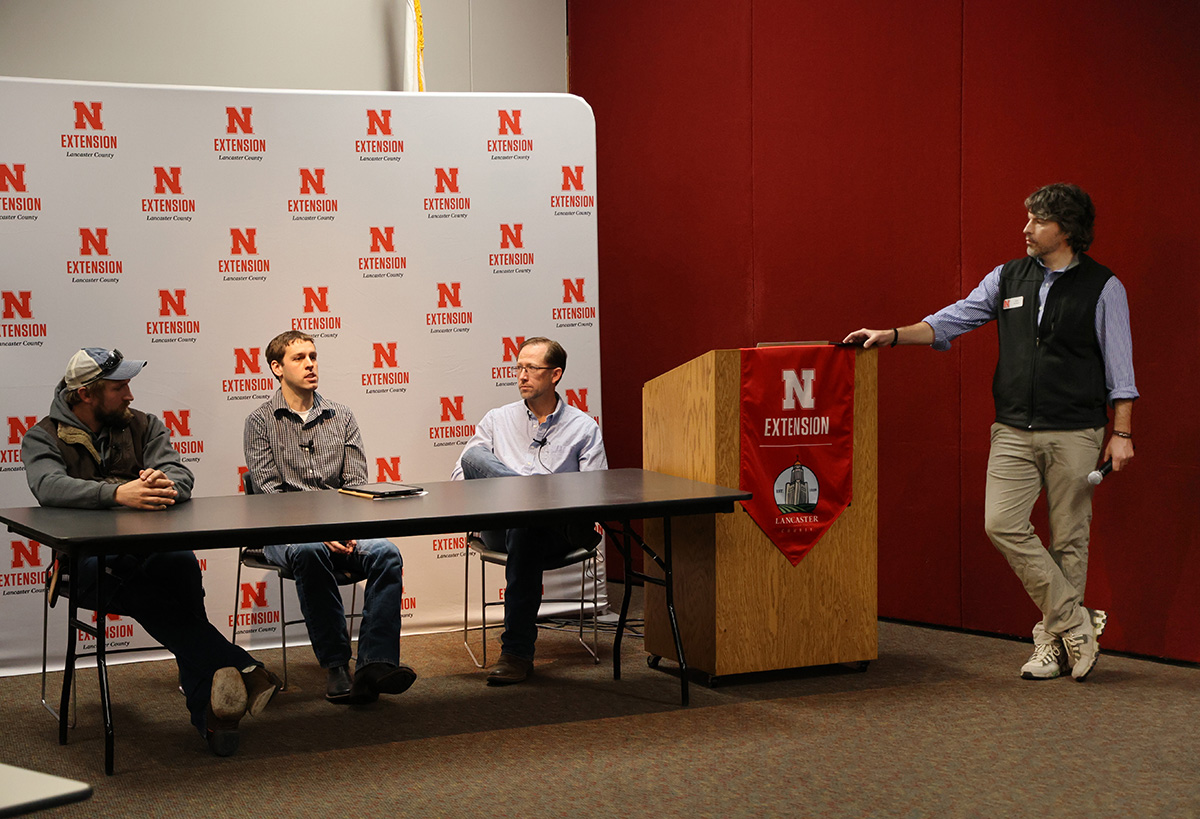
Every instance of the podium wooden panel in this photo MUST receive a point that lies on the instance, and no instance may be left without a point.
(742, 606)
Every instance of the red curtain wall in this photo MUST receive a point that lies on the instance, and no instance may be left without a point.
(793, 170)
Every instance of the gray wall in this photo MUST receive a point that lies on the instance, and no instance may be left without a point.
(470, 45)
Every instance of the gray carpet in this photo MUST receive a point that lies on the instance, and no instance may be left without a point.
(939, 725)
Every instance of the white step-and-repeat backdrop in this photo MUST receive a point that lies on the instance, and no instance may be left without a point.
(417, 237)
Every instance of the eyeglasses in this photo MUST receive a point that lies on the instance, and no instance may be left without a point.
(529, 368)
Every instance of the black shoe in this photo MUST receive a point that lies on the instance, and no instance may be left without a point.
(226, 705)
(510, 669)
(338, 684)
(374, 679)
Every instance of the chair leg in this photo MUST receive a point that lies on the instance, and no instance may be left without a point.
(237, 590)
(467, 609)
(283, 631)
(45, 665)
(594, 648)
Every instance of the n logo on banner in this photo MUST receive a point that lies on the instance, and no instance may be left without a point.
(247, 360)
(452, 407)
(13, 175)
(18, 427)
(379, 122)
(448, 294)
(510, 235)
(167, 178)
(168, 304)
(447, 178)
(317, 299)
(17, 304)
(93, 241)
(244, 241)
(238, 120)
(385, 354)
(26, 554)
(572, 177)
(312, 180)
(798, 389)
(382, 240)
(254, 594)
(512, 347)
(88, 114)
(510, 122)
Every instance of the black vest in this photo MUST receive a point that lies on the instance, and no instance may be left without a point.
(125, 458)
(1050, 375)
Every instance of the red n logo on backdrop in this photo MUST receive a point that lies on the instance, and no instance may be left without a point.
(88, 114)
(180, 423)
(236, 120)
(572, 177)
(448, 294)
(18, 427)
(578, 399)
(446, 178)
(512, 347)
(254, 594)
(385, 354)
(510, 235)
(25, 554)
(510, 122)
(12, 175)
(388, 469)
(164, 178)
(382, 241)
(379, 122)
(312, 181)
(797, 439)
(316, 299)
(243, 241)
(246, 360)
(452, 407)
(168, 304)
(573, 291)
(17, 303)
(93, 241)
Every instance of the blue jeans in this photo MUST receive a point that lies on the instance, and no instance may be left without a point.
(313, 566)
(528, 551)
(164, 593)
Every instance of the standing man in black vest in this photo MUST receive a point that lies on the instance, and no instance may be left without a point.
(94, 452)
(1066, 354)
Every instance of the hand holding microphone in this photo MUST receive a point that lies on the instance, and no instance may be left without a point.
(1097, 475)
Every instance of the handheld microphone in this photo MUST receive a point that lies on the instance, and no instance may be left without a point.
(1097, 475)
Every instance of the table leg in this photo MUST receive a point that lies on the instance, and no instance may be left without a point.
(69, 660)
(669, 585)
(627, 556)
(102, 664)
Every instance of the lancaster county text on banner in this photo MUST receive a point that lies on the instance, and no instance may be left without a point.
(797, 441)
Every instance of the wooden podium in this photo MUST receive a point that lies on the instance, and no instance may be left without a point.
(742, 606)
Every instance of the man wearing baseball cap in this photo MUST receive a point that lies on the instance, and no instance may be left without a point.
(95, 452)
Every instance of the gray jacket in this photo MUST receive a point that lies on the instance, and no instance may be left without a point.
(53, 485)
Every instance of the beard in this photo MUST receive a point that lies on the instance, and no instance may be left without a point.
(114, 419)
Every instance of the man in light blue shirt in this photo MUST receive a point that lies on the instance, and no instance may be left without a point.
(538, 435)
(1066, 356)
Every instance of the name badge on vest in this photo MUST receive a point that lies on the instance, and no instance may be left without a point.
(1014, 302)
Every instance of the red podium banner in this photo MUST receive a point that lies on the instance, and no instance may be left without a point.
(797, 441)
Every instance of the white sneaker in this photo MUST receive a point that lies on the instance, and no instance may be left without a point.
(1099, 619)
(1081, 649)
(1045, 663)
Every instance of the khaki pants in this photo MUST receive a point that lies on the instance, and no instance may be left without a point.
(1020, 464)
